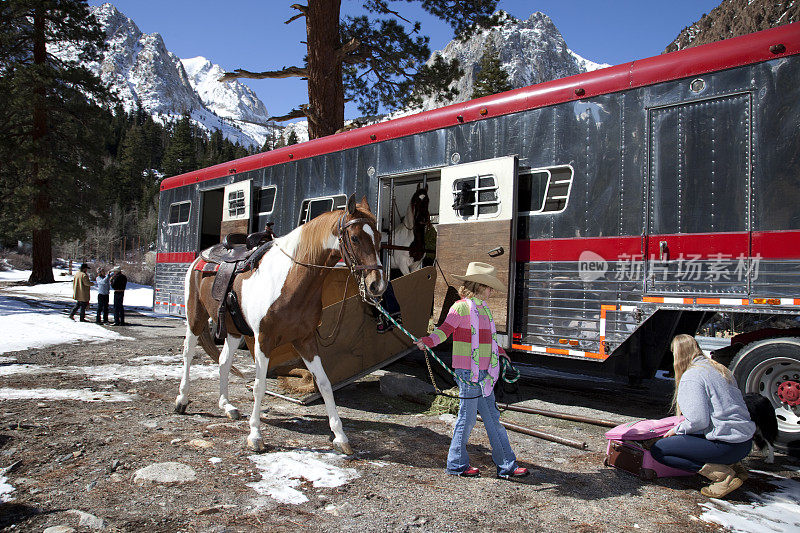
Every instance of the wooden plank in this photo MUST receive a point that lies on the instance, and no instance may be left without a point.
(459, 244)
(351, 346)
(232, 226)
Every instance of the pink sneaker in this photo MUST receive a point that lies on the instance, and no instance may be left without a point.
(518, 472)
(471, 471)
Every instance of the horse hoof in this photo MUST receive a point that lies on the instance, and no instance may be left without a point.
(180, 408)
(233, 414)
(343, 447)
(256, 444)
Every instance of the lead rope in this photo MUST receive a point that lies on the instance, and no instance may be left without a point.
(508, 373)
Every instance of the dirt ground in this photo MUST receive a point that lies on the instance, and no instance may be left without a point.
(74, 455)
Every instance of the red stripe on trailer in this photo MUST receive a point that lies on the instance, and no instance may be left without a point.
(776, 244)
(686, 246)
(175, 257)
(721, 55)
(609, 248)
(703, 245)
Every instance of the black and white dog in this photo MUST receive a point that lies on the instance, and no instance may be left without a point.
(763, 414)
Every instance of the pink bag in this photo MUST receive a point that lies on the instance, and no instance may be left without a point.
(629, 448)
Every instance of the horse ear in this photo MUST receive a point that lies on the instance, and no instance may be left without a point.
(364, 203)
(351, 204)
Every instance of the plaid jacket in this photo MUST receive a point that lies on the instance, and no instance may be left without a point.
(457, 325)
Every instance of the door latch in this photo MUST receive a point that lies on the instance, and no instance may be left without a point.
(663, 251)
(496, 252)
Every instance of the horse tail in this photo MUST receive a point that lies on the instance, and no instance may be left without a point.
(207, 342)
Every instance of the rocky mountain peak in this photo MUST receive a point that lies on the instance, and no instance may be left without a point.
(732, 18)
(531, 51)
(144, 73)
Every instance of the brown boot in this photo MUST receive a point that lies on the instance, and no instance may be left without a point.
(741, 471)
(724, 478)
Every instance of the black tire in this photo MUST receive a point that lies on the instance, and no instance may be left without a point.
(760, 367)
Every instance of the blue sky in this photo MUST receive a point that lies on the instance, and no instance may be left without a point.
(251, 34)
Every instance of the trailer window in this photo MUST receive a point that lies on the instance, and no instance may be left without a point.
(179, 212)
(476, 196)
(266, 200)
(236, 204)
(544, 191)
(313, 207)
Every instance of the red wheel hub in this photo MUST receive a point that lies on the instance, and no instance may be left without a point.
(789, 393)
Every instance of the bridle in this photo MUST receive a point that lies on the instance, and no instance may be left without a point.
(346, 245)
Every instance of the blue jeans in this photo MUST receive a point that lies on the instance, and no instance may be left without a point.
(691, 452)
(502, 454)
(119, 309)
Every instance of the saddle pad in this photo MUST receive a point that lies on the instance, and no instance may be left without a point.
(205, 266)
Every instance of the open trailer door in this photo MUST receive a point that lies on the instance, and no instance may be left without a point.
(476, 219)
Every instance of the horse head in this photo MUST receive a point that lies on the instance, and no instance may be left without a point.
(360, 243)
(419, 205)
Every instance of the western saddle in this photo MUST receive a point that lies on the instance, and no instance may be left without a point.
(236, 253)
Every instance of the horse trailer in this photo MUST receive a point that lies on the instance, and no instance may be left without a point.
(621, 206)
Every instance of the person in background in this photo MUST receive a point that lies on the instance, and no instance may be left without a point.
(476, 360)
(80, 292)
(103, 282)
(717, 432)
(118, 283)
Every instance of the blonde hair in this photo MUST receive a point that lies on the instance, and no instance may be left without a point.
(684, 350)
(472, 289)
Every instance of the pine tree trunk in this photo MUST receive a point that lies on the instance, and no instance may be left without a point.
(325, 88)
(42, 268)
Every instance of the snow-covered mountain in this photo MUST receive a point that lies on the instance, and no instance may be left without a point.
(144, 73)
(531, 51)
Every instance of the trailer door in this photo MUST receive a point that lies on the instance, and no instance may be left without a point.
(236, 208)
(476, 217)
(698, 226)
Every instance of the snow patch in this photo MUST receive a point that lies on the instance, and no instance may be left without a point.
(282, 472)
(113, 372)
(5, 490)
(83, 395)
(777, 511)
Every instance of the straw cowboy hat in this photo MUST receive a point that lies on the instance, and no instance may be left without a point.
(482, 273)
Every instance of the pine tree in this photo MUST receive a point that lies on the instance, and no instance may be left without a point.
(53, 134)
(180, 156)
(491, 78)
(374, 58)
(292, 139)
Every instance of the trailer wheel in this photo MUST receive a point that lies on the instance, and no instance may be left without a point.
(771, 367)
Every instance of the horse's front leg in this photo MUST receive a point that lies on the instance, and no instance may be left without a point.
(254, 440)
(313, 362)
(225, 361)
(189, 344)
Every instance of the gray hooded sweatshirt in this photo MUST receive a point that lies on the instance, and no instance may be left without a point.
(712, 406)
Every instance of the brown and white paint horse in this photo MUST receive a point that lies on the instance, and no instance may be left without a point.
(281, 300)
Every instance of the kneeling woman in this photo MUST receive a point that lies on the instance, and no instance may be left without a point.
(476, 361)
(717, 432)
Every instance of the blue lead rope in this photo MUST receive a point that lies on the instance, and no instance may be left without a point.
(508, 373)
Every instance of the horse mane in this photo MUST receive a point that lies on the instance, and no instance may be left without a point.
(316, 232)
